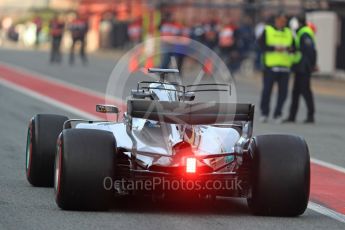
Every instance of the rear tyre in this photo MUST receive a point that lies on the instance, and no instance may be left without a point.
(84, 169)
(40, 148)
(280, 175)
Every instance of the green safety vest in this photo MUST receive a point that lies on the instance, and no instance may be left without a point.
(147, 21)
(300, 33)
(278, 38)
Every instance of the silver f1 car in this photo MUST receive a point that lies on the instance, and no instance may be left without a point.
(167, 144)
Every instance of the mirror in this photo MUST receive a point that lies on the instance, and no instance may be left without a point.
(107, 109)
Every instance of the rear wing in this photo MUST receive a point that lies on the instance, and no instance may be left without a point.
(190, 113)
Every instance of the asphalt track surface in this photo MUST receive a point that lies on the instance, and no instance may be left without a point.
(23, 206)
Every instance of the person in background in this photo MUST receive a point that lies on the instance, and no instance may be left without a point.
(277, 45)
(1, 32)
(56, 27)
(227, 42)
(258, 30)
(79, 28)
(246, 34)
(38, 22)
(304, 65)
(211, 29)
(172, 40)
(6, 25)
(135, 31)
(181, 48)
(197, 31)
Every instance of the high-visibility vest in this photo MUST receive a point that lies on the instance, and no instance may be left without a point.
(211, 30)
(145, 55)
(166, 29)
(56, 28)
(278, 38)
(170, 29)
(226, 36)
(185, 32)
(300, 33)
(79, 28)
(134, 31)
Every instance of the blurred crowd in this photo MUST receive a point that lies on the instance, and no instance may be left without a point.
(280, 46)
(233, 42)
(237, 42)
(37, 31)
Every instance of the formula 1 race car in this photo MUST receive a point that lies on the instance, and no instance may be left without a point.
(167, 144)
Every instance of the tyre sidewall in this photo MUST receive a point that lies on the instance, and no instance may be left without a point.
(280, 175)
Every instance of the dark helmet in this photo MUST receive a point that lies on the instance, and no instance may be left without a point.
(302, 21)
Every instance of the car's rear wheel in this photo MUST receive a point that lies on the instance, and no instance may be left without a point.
(84, 169)
(280, 175)
(42, 134)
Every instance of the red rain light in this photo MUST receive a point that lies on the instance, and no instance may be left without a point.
(190, 165)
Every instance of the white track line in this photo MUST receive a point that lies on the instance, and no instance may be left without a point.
(312, 206)
(48, 100)
(328, 165)
(37, 75)
(326, 211)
